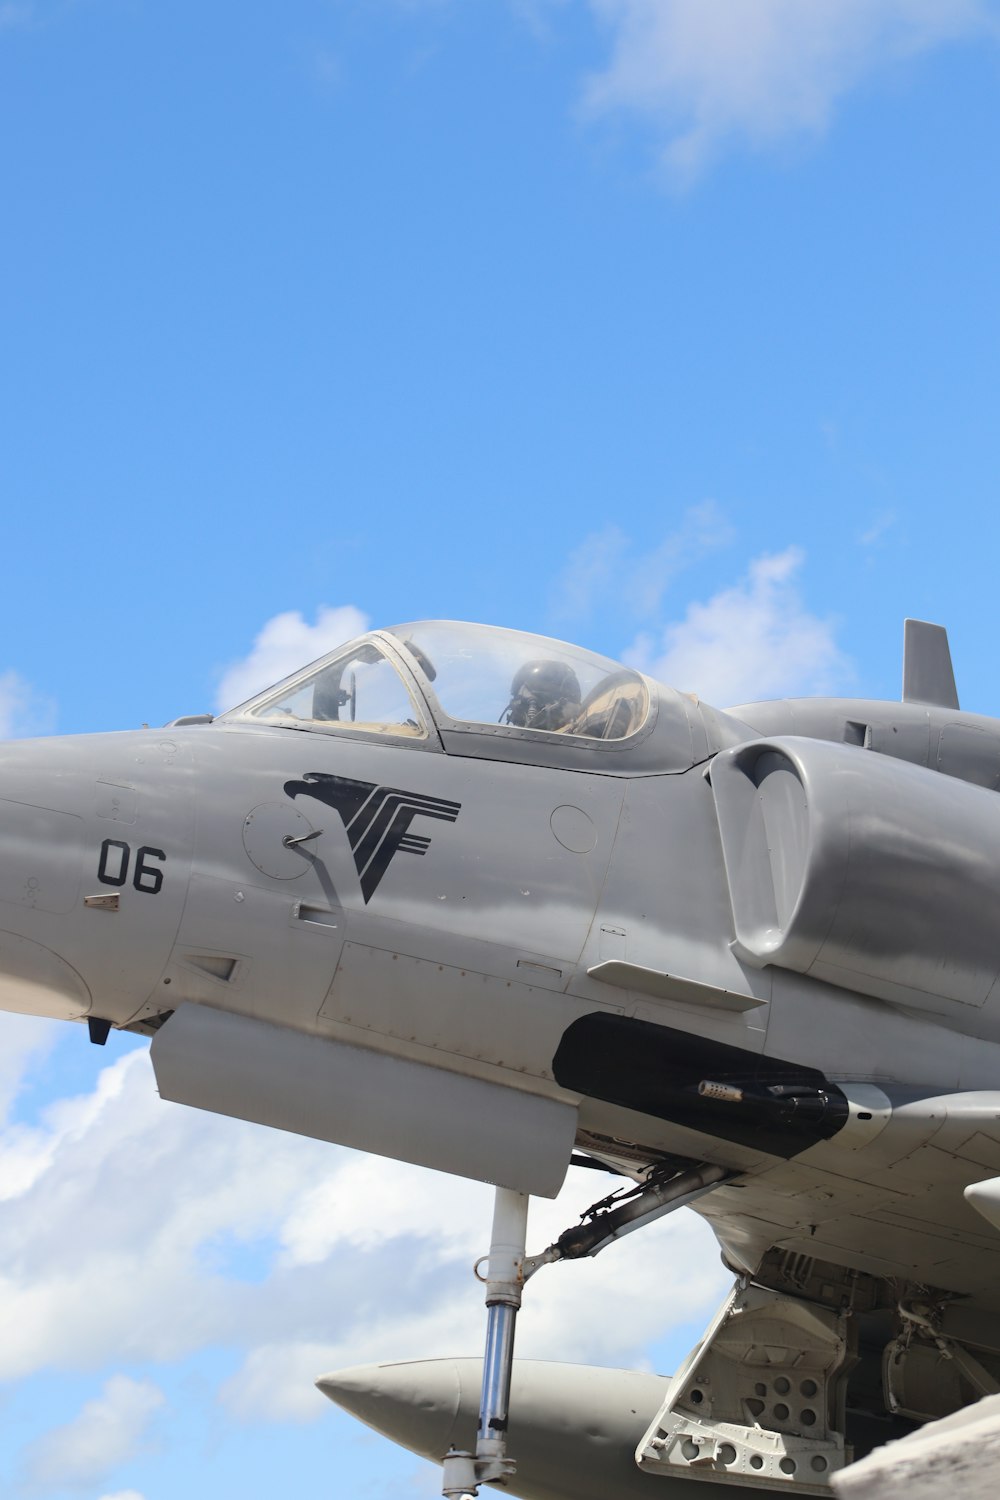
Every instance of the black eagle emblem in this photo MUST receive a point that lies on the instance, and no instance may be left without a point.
(377, 819)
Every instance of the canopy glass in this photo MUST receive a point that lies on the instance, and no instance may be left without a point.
(482, 674)
(470, 675)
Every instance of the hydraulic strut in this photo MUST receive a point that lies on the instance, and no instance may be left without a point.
(625, 1212)
(464, 1472)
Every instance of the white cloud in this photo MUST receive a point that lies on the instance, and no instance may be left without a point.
(23, 1039)
(326, 1215)
(707, 71)
(755, 640)
(285, 643)
(703, 528)
(298, 1256)
(592, 573)
(607, 569)
(124, 1495)
(23, 711)
(108, 1431)
(149, 1194)
(873, 535)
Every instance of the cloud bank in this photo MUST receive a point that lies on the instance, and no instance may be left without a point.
(752, 641)
(285, 643)
(297, 1256)
(608, 569)
(23, 710)
(107, 1432)
(708, 72)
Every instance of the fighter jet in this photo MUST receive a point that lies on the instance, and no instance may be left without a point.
(491, 903)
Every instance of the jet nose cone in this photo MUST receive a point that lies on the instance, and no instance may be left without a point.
(416, 1403)
(573, 1428)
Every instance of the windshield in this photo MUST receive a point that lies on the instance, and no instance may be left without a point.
(358, 689)
(485, 675)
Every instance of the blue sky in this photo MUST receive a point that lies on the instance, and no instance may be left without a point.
(669, 326)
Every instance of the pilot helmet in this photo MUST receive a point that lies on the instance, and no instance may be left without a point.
(543, 695)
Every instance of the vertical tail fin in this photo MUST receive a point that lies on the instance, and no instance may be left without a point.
(928, 676)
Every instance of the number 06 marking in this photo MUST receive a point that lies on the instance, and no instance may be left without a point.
(112, 868)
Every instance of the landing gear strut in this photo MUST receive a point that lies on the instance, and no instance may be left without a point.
(462, 1472)
(509, 1269)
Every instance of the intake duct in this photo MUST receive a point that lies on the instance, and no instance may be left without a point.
(869, 873)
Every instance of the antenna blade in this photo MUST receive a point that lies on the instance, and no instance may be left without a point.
(928, 676)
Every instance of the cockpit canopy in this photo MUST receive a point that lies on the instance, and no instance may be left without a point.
(481, 675)
(487, 676)
(484, 691)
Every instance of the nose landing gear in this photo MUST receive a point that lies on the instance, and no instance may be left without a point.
(509, 1269)
(463, 1472)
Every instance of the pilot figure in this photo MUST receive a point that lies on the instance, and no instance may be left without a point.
(543, 695)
